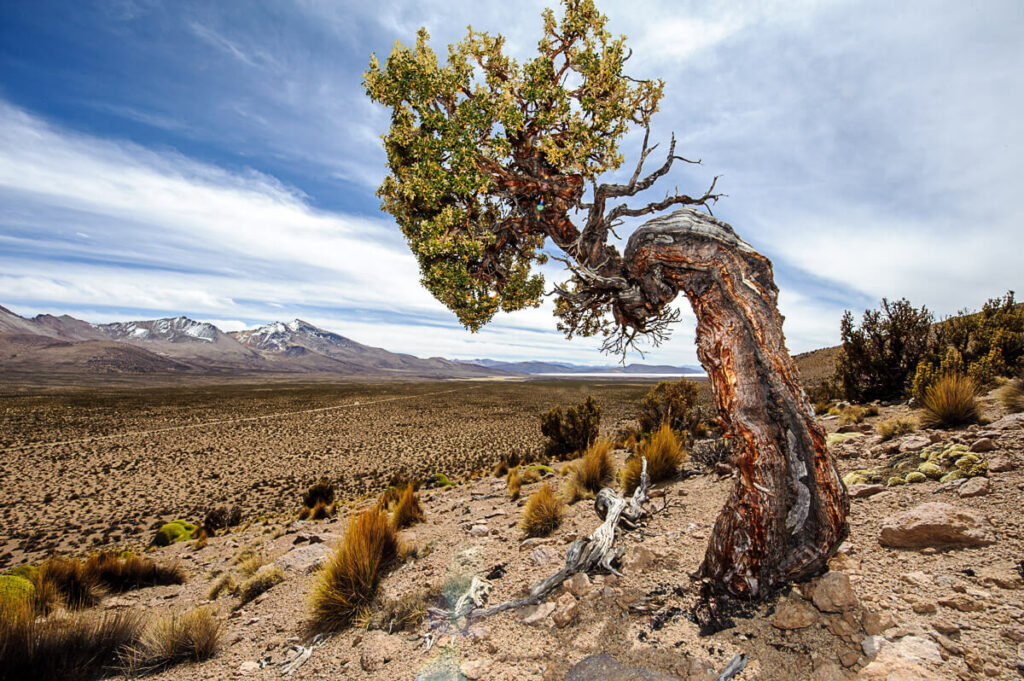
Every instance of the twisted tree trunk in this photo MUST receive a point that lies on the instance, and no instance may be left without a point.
(787, 514)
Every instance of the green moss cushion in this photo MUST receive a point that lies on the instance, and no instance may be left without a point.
(178, 530)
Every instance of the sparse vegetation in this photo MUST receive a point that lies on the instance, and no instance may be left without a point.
(407, 510)
(126, 571)
(403, 612)
(220, 518)
(318, 501)
(543, 512)
(192, 637)
(671, 402)
(349, 580)
(572, 432)
(266, 578)
(856, 413)
(951, 401)
(514, 483)
(1011, 395)
(895, 426)
(78, 588)
(590, 472)
(664, 455)
(225, 584)
(707, 453)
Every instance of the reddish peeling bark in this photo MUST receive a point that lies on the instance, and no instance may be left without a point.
(787, 514)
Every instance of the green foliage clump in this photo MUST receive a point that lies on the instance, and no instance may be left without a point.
(916, 476)
(174, 531)
(441, 480)
(895, 481)
(931, 470)
(15, 588)
(672, 402)
(473, 139)
(573, 432)
(878, 358)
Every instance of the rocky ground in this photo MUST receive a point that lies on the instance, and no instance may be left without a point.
(928, 586)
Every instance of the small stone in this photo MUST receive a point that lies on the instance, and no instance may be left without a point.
(985, 444)
(913, 443)
(991, 670)
(540, 614)
(962, 603)
(833, 593)
(578, 585)
(638, 559)
(864, 491)
(479, 632)
(848, 658)
(975, 487)
(829, 671)
(304, 559)
(566, 611)
(876, 622)
(872, 645)
(793, 614)
(543, 555)
(248, 667)
(474, 669)
(252, 620)
(478, 530)
(999, 464)
(377, 650)
(924, 607)
(1013, 633)
(936, 524)
(945, 627)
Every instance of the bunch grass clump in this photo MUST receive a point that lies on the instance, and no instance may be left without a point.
(407, 510)
(951, 401)
(78, 588)
(664, 455)
(192, 637)
(348, 582)
(514, 482)
(895, 426)
(543, 512)
(1011, 395)
(77, 647)
(126, 571)
(591, 472)
(266, 578)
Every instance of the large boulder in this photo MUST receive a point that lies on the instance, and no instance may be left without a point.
(936, 524)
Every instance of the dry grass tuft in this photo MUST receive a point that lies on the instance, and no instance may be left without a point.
(78, 647)
(402, 613)
(951, 401)
(1011, 396)
(895, 426)
(514, 480)
(591, 472)
(543, 512)
(251, 564)
(167, 641)
(265, 579)
(349, 580)
(225, 584)
(78, 588)
(124, 572)
(664, 456)
(408, 510)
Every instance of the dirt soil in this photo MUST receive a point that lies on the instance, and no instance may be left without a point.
(960, 611)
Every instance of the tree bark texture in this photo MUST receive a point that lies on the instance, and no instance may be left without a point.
(786, 515)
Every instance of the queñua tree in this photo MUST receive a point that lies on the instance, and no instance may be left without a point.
(490, 159)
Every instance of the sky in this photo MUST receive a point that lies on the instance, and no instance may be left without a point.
(220, 160)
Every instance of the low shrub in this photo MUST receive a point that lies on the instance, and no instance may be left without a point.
(951, 401)
(126, 571)
(349, 579)
(319, 492)
(590, 472)
(895, 426)
(225, 584)
(543, 512)
(671, 402)
(252, 562)
(572, 432)
(266, 578)
(664, 456)
(407, 510)
(401, 613)
(707, 453)
(220, 518)
(441, 480)
(174, 531)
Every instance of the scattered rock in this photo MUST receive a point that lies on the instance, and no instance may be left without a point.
(975, 487)
(876, 622)
(912, 443)
(962, 603)
(999, 464)
(1009, 422)
(543, 555)
(566, 611)
(248, 667)
(479, 632)
(474, 669)
(936, 524)
(984, 444)
(833, 593)
(924, 607)
(872, 645)
(539, 614)
(604, 668)
(638, 559)
(578, 585)
(903, 660)
(377, 650)
(794, 613)
(864, 491)
(829, 671)
(479, 530)
(304, 558)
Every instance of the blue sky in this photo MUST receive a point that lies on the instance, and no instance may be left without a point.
(219, 159)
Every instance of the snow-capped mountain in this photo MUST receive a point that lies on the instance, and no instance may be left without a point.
(284, 337)
(173, 330)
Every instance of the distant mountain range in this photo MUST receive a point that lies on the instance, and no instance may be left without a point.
(63, 345)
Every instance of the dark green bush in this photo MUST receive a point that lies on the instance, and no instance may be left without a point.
(672, 402)
(572, 432)
(878, 358)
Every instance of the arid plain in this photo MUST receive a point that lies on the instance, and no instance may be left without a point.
(99, 467)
